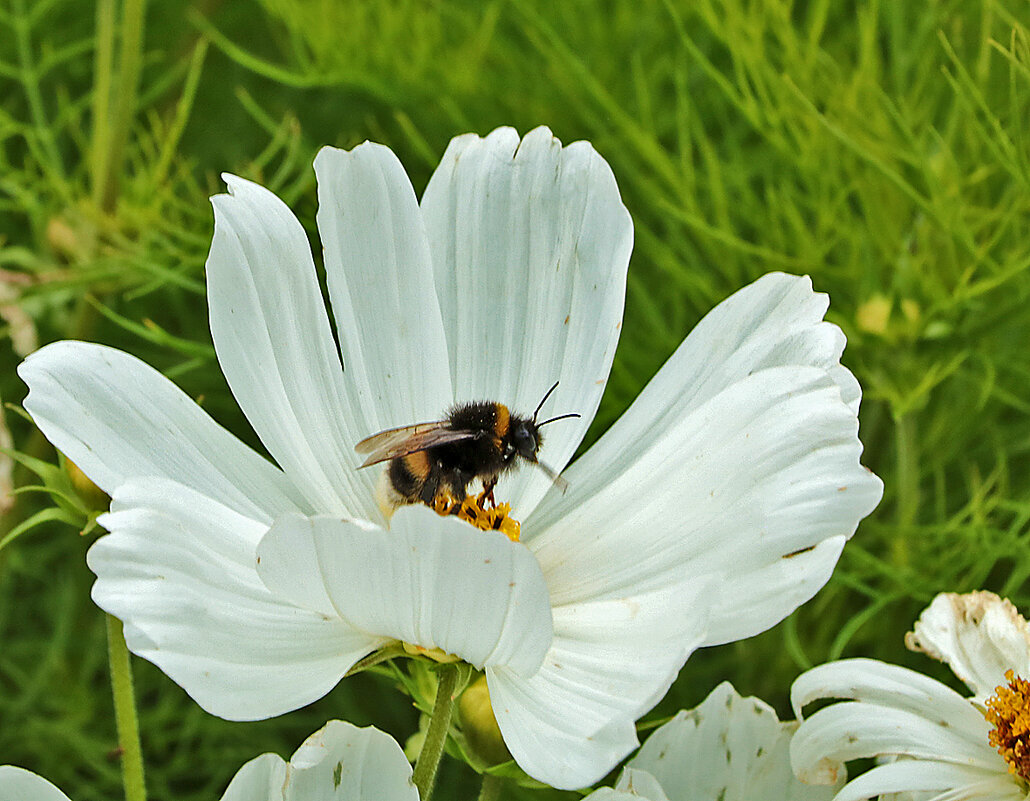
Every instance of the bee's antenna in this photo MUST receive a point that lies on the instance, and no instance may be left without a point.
(559, 417)
(544, 400)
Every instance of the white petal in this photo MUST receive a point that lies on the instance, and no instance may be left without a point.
(340, 762)
(636, 783)
(760, 484)
(118, 418)
(608, 794)
(428, 580)
(741, 745)
(612, 659)
(261, 779)
(18, 784)
(887, 685)
(854, 730)
(371, 765)
(910, 775)
(977, 634)
(758, 599)
(530, 245)
(381, 284)
(274, 344)
(897, 712)
(179, 570)
(564, 753)
(774, 322)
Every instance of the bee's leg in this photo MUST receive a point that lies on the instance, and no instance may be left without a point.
(488, 493)
(459, 484)
(429, 488)
(450, 490)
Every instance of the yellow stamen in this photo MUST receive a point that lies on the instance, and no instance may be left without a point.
(1008, 710)
(473, 511)
(443, 505)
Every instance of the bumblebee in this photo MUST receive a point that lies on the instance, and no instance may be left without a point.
(434, 463)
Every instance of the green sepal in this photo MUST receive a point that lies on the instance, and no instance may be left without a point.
(57, 484)
(48, 515)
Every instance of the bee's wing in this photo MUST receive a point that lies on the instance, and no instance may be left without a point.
(396, 442)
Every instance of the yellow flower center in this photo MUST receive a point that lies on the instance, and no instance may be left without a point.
(1008, 710)
(473, 511)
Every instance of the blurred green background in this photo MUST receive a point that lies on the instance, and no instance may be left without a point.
(877, 146)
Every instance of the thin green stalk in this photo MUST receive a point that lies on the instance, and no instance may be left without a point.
(125, 712)
(30, 81)
(907, 478)
(130, 63)
(491, 789)
(103, 78)
(182, 113)
(424, 775)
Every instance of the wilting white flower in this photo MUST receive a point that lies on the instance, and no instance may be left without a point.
(728, 748)
(339, 762)
(713, 508)
(933, 742)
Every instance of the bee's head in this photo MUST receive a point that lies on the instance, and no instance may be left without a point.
(526, 439)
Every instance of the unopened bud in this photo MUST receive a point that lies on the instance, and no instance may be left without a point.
(479, 725)
(874, 315)
(64, 239)
(92, 496)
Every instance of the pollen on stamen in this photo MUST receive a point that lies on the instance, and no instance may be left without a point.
(474, 512)
(444, 505)
(1008, 710)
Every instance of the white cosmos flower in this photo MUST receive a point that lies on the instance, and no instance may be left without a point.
(717, 504)
(18, 784)
(728, 748)
(933, 742)
(339, 762)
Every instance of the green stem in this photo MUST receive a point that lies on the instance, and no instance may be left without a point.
(491, 789)
(424, 776)
(130, 64)
(30, 81)
(907, 486)
(103, 80)
(125, 712)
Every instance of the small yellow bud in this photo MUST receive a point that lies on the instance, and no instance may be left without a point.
(874, 315)
(95, 499)
(64, 239)
(479, 725)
